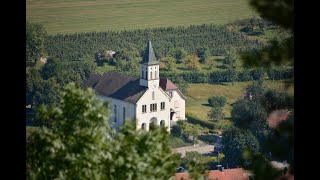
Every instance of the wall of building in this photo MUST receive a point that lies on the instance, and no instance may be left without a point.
(130, 111)
(159, 115)
(178, 105)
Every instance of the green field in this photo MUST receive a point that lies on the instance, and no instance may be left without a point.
(198, 94)
(69, 16)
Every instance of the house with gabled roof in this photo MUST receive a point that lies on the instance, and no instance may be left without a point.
(148, 99)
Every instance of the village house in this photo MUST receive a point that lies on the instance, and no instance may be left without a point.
(149, 99)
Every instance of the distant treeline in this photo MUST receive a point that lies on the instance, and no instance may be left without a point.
(217, 39)
(274, 73)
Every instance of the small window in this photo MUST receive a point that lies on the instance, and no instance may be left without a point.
(150, 75)
(153, 107)
(146, 74)
(144, 108)
(142, 73)
(156, 75)
(170, 94)
(162, 106)
(124, 114)
(153, 95)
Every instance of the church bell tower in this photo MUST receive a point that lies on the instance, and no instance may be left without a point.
(149, 68)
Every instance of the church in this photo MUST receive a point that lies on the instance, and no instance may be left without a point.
(149, 99)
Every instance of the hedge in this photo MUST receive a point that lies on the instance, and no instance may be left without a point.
(274, 73)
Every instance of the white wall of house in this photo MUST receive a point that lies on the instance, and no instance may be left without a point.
(116, 120)
(158, 115)
(178, 105)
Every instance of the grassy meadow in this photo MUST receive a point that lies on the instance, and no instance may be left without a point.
(198, 94)
(70, 16)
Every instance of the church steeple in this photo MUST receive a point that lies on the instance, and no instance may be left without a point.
(149, 68)
(149, 57)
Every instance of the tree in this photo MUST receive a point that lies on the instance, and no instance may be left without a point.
(231, 75)
(76, 141)
(192, 62)
(257, 89)
(35, 41)
(167, 63)
(215, 114)
(244, 113)
(178, 53)
(278, 51)
(217, 101)
(197, 164)
(203, 54)
(235, 140)
(274, 100)
(192, 130)
(182, 84)
(231, 58)
(52, 68)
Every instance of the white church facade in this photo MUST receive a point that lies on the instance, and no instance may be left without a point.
(149, 99)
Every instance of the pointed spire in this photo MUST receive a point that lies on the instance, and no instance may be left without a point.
(149, 56)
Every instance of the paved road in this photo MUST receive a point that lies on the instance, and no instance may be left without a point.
(203, 149)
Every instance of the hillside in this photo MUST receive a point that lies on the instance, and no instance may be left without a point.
(69, 16)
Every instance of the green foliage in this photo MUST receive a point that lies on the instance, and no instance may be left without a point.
(215, 114)
(77, 142)
(182, 84)
(51, 69)
(278, 52)
(39, 91)
(244, 113)
(166, 42)
(273, 100)
(195, 120)
(191, 62)
(203, 54)
(217, 101)
(197, 164)
(280, 12)
(167, 63)
(179, 53)
(231, 58)
(141, 155)
(71, 144)
(257, 89)
(176, 130)
(35, 42)
(235, 141)
(192, 130)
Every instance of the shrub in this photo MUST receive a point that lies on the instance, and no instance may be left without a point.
(215, 114)
(217, 101)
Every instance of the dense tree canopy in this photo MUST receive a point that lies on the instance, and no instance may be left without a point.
(170, 41)
(35, 42)
(235, 141)
(77, 142)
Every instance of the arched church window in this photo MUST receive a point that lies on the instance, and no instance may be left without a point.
(156, 75)
(150, 75)
(142, 73)
(146, 74)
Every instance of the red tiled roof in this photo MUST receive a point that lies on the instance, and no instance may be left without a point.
(166, 84)
(227, 174)
(277, 116)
